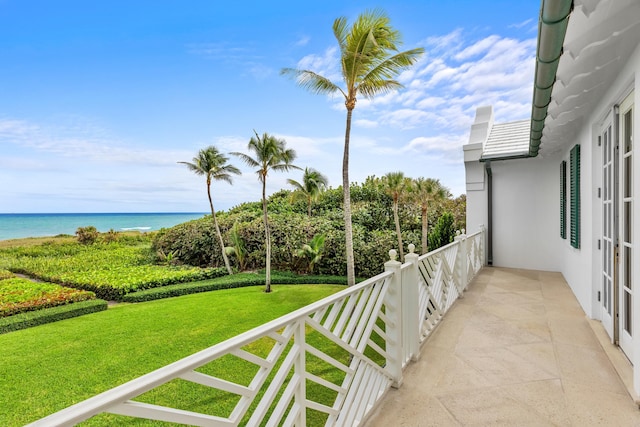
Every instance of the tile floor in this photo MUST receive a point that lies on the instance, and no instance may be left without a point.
(517, 350)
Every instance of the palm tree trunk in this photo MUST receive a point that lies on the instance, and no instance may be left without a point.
(396, 219)
(267, 237)
(348, 229)
(425, 230)
(215, 223)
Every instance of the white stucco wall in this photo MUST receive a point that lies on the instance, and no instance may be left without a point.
(526, 214)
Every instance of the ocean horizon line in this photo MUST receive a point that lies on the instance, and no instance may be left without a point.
(103, 213)
(45, 224)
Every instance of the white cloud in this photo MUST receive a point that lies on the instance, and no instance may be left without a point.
(444, 43)
(87, 144)
(302, 41)
(326, 65)
(364, 123)
(528, 22)
(440, 143)
(477, 48)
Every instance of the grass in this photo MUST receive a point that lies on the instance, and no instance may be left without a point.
(49, 367)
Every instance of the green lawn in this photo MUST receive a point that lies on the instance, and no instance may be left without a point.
(49, 367)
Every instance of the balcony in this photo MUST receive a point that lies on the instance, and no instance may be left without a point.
(517, 349)
(438, 340)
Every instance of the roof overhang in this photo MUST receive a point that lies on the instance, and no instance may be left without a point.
(582, 47)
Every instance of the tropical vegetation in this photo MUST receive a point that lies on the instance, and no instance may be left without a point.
(110, 270)
(291, 227)
(312, 185)
(271, 154)
(19, 295)
(213, 165)
(369, 61)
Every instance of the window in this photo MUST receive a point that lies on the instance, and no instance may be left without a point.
(574, 173)
(563, 199)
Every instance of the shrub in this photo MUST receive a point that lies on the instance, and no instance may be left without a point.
(443, 233)
(20, 295)
(108, 270)
(6, 274)
(228, 282)
(87, 235)
(48, 315)
(110, 236)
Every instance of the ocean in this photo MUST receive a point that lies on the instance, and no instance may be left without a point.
(15, 226)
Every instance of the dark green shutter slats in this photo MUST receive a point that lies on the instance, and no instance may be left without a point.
(563, 200)
(574, 171)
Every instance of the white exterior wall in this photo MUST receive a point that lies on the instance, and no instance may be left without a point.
(526, 222)
(582, 267)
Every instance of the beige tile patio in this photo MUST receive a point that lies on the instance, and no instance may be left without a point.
(517, 351)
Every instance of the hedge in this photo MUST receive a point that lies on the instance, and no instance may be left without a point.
(6, 274)
(228, 282)
(49, 315)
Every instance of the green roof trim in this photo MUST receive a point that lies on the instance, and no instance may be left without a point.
(552, 28)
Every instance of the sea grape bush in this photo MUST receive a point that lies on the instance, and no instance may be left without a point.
(20, 295)
(87, 235)
(193, 242)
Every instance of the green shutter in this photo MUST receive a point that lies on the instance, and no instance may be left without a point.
(563, 199)
(575, 195)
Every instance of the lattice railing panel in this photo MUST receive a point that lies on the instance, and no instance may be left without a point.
(332, 360)
(334, 347)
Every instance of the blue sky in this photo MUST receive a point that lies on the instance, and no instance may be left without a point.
(99, 100)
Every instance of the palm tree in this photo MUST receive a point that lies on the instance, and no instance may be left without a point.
(271, 153)
(423, 191)
(312, 251)
(237, 247)
(370, 61)
(313, 183)
(395, 185)
(213, 164)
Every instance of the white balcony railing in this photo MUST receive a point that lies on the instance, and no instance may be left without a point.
(336, 357)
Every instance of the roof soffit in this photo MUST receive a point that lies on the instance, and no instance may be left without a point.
(601, 36)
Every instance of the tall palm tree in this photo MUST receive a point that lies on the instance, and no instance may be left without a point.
(313, 183)
(271, 153)
(395, 185)
(370, 61)
(213, 164)
(424, 191)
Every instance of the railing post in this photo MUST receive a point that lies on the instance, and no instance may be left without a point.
(463, 259)
(300, 370)
(393, 305)
(410, 299)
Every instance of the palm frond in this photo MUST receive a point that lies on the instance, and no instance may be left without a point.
(193, 168)
(313, 82)
(248, 160)
(393, 65)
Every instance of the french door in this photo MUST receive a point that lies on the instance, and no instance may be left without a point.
(609, 227)
(626, 245)
(616, 295)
